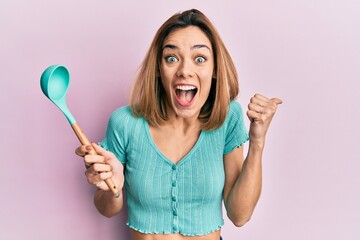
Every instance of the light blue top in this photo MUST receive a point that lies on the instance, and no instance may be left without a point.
(163, 197)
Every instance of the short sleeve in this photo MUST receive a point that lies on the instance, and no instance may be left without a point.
(115, 138)
(236, 132)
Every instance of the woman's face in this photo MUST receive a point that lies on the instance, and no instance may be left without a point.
(186, 69)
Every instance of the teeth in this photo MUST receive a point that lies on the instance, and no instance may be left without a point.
(185, 87)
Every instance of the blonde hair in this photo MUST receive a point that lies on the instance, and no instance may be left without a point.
(148, 94)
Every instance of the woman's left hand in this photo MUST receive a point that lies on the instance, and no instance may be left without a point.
(260, 113)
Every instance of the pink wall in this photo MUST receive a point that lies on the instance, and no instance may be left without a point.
(306, 52)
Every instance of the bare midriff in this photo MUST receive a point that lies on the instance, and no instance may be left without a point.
(140, 236)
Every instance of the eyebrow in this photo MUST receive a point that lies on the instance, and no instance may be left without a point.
(197, 46)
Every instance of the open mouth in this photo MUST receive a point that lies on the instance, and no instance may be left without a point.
(185, 94)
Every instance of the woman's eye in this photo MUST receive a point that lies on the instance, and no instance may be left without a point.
(171, 59)
(200, 59)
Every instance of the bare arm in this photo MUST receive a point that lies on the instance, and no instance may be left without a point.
(243, 184)
(244, 177)
(100, 167)
(107, 204)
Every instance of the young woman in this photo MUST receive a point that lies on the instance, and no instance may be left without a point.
(177, 150)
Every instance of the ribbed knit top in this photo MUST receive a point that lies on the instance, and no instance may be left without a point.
(163, 197)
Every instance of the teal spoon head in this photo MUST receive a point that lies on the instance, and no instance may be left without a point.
(54, 83)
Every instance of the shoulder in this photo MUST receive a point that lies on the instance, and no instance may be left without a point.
(121, 121)
(235, 112)
(121, 116)
(235, 107)
(121, 112)
(121, 125)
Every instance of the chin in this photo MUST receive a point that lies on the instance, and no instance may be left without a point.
(186, 112)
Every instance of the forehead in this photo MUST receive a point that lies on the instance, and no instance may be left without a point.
(187, 37)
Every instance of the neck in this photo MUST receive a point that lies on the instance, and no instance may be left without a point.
(184, 125)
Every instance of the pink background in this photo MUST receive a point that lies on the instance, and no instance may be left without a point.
(306, 52)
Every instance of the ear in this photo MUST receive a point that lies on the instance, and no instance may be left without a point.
(214, 75)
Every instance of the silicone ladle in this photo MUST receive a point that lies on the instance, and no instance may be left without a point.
(54, 83)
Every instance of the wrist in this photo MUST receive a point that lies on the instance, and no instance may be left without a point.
(108, 194)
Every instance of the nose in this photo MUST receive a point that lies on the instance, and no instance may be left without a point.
(185, 69)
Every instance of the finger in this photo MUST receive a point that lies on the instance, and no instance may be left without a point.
(277, 100)
(262, 97)
(259, 100)
(80, 151)
(102, 185)
(91, 176)
(99, 180)
(83, 150)
(98, 167)
(253, 116)
(101, 151)
(109, 158)
(91, 159)
(256, 107)
(105, 175)
(96, 179)
(90, 150)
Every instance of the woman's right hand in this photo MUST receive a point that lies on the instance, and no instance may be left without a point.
(102, 166)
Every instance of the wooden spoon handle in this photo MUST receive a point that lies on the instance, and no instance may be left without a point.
(85, 141)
